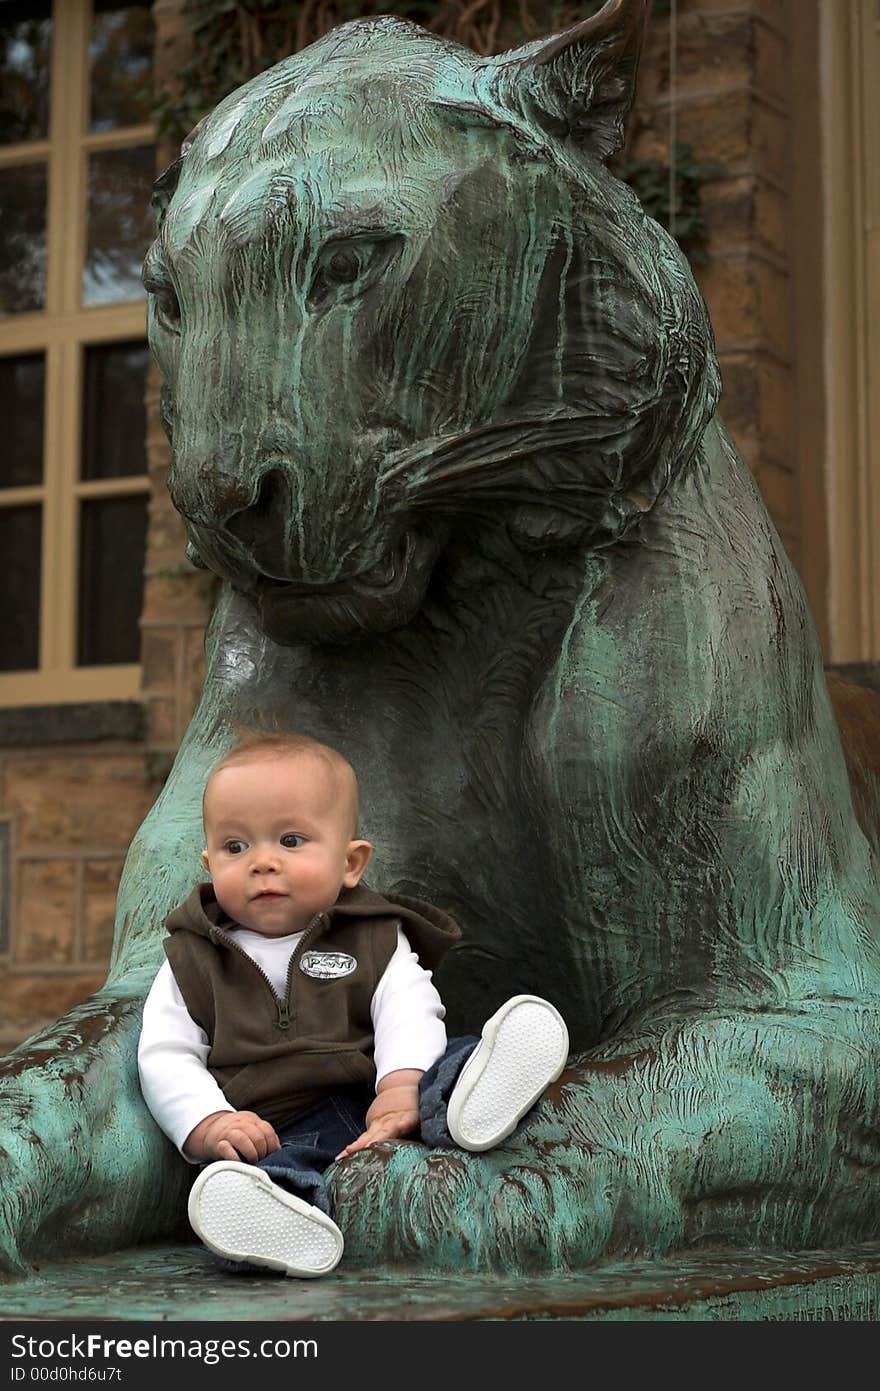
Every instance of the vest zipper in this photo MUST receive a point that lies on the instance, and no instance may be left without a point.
(315, 927)
(282, 1006)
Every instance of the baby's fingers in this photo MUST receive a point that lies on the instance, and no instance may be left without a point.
(272, 1141)
(360, 1143)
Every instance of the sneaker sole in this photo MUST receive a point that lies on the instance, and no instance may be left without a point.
(239, 1213)
(523, 1049)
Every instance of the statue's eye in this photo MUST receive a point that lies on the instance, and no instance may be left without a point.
(165, 303)
(169, 307)
(343, 266)
(349, 268)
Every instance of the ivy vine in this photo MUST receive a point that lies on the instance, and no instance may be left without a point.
(234, 40)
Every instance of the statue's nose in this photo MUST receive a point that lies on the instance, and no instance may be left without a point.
(264, 513)
(223, 501)
(249, 519)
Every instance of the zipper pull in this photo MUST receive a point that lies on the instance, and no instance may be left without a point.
(283, 1015)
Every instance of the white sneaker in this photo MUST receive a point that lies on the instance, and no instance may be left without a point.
(523, 1049)
(239, 1213)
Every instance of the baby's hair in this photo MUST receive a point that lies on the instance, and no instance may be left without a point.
(251, 743)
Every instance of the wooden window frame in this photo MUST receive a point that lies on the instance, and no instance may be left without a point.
(63, 331)
(849, 40)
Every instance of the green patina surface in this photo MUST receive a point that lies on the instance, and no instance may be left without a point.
(180, 1283)
(442, 403)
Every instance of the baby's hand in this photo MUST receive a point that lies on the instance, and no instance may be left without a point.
(394, 1113)
(232, 1135)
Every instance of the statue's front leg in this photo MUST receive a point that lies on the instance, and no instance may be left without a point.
(713, 1133)
(84, 1165)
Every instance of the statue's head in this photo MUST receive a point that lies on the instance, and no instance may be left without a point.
(395, 294)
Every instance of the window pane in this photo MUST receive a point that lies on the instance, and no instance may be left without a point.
(114, 419)
(20, 552)
(22, 238)
(121, 62)
(25, 35)
(22, 383)
(120, 226)
(113, 533)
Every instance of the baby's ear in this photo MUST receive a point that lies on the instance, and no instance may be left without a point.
(356, 861)
(205, 861)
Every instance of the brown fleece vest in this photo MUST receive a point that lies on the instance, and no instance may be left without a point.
(277, 1057)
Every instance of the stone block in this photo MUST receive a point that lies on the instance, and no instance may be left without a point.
(770, 143)
(100, 883)
(193, 674)
(771, 11)
(44, 928)
(777, 486)
(748, 302)
(739, 396)
(166, 540)
(28, 1002)
(181, 598)
(714, 52)
(81, 799)
(717, 127)
(159, 659)
(757, 403)
(743, 211)
(771, 218)
(772, 73)
(162, 723)
(734, 127)
(775, 423)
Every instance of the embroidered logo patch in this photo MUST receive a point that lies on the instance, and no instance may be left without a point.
(327, 965)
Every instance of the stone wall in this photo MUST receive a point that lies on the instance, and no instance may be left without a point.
(732, 94)
(69, 811)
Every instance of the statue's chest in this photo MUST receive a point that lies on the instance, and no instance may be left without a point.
(436, 720)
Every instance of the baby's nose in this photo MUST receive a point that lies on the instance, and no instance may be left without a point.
(265, 860)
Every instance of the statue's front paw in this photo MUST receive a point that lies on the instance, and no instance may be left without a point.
(536, 1203)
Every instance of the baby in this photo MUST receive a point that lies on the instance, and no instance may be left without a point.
(295, 1020)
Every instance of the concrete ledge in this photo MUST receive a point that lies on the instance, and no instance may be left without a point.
(181, 1283)
(27, 726)
(860, 673)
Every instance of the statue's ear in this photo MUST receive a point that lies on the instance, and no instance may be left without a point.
(165, 186)
(163, 191)
(579, 84)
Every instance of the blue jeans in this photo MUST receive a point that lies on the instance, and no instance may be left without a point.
(311, 1141)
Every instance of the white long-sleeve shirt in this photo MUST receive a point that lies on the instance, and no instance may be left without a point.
(406, 1011)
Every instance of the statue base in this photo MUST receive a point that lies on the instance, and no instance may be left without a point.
(181, 1283)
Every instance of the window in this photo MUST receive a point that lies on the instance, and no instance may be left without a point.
(77, 160)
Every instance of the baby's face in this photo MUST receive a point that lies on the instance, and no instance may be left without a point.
(279, 841)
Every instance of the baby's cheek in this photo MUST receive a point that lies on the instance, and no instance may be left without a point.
(313, 876)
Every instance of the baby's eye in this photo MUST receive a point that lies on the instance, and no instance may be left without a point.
(234, 847)
(292, 842)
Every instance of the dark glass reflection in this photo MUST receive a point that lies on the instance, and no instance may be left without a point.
(25, 39)
(114, 418)
(113, 534)
(22, 238)
(120, 226)
(121, 63)
(20, 556)
(22, 385)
